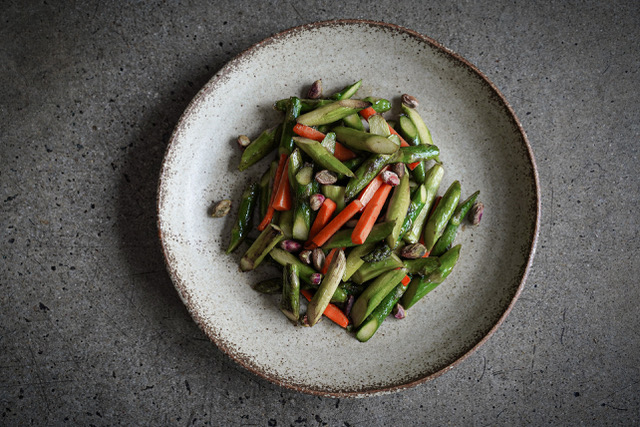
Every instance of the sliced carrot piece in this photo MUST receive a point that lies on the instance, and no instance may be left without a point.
(324, 215)
(276, 183)
(367, 192)
(335, 224)
(327, 260)
(367, 112)
(343, 154)
(282, 200)
(308, 132)
(370, 215)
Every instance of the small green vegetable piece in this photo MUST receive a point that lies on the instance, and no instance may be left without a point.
(266, 188)
(415, 207)
(441, 214)
(431, 184)
(354, 121)
(379, 126)
(335, 193)
(269, 286)
(372, 270)
(321, 156)
(397, 210)
(265, 242)
(342, 239)
(290, 116)
(244, 222)
(380, 313)
(421, 127)
(422, 266)
(380, 253)
(290, 302)
(348, 91)
(365, 173)
(259, 148)
(449, 234)
(354, 259)
(381, 105)
(364, 141)
(332, 112)
(417, 153)
(325, 291)
(419, 286)
(374, 294)
(303, 187)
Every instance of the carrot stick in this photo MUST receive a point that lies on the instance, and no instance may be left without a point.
(367, 192)
(343, 154)
(335, 224)
(282, 201)
(370, 215)
(406, 280)
(367, 112)
(324, 215)
(276, 183)
(308, 132)
(332, 311)
(328, 259)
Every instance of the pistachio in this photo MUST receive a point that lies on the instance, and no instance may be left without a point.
(349, 305)
(316, 278)
(290, 246)
(221, 208)
(315, 91)
(317, 258)
(390, 178)
(315, 201)
(413, 251)
(305, 256)
(476, 213)
(398, 311)
(243, 141)
(398, 169)
(409, 101)
(326, 177)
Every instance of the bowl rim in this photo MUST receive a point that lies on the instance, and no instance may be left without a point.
(180, 286)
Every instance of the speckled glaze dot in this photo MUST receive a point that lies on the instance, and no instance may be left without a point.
(481, 143)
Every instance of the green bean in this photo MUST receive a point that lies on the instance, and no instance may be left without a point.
(244, 222)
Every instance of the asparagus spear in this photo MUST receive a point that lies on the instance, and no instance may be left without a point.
(325, 291)
(449, 234)
(269, 237)
(365, 141)
(441, 215)
(244, 222)
(290, 302)
(381, 312)
(259, 148)
(375, 293)
(333, 112)
(321, 156)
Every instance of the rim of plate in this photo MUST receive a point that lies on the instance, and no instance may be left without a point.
(228, 67)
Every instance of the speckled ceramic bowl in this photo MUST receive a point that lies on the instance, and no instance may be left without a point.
(482, 144)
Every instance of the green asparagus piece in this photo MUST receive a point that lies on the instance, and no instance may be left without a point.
(380, 313)
(269, 286)
(380, 253)
(397, 209)
(449, 234)
(244, 222)
(422, 266)
(381, 105)
(379, 126)
(372, 270)
(333, 112)
(259, 148)
(441, 215)
(415, 207)
(269, 237)
(266, 185)
(335, 193)
(285, 222)
(374, 294)
(431, 184)
(321, 156)
(305, 104)
(354, 121)
(421, 127)
(329, 142)
(365, 173)
(302, 209)
(295, 163)
(365, 141)
(347, 92)
(420, 286)
(354, 259)
(342, 239)
(292, 113)
(325, 291)
(417, 154)
(290, 302)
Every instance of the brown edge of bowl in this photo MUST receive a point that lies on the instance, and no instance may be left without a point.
(366, 392)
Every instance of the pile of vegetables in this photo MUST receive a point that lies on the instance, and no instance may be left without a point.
(349, 209)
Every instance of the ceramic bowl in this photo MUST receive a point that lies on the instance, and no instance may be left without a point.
(482, 145)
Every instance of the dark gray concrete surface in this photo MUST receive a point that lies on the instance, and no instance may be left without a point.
(92, 331)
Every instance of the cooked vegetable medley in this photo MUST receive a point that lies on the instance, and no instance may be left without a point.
(350, 209)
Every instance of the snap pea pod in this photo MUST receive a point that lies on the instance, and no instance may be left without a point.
(265, 242)
(431, 185)
(410, 134)
(365, 141)
(244, 222)
(347, 92)
(342, 239)
(375, 293)
(420, 286)
(397, 209)
(290, 301)
(325, 291)
(421, 266)
(354, 259)
(290, 116)
(449, 234)
(380, 313)
(365, 173)
(415, 207)
(321, 156)
(371, 270)
(418, 153)
(305, 104)
(441, 214)
(260, 147)
(332, 112)
(381, 105)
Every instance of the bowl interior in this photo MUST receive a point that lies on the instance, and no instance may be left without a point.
(481, 145)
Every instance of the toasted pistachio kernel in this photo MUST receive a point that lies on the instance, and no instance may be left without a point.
(305, 256)
(413, 251)
(315, 91)
(347, 308)
(315, 201)
(476, 213)
(317, 258)
(398, 311)
(390, 178)
(326, 177)
(409, 101)
(398, 169)
(290, 245)
(316, 278)
(221, 208)
(243, 141)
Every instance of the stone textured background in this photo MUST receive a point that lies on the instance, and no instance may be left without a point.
(92, 331)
